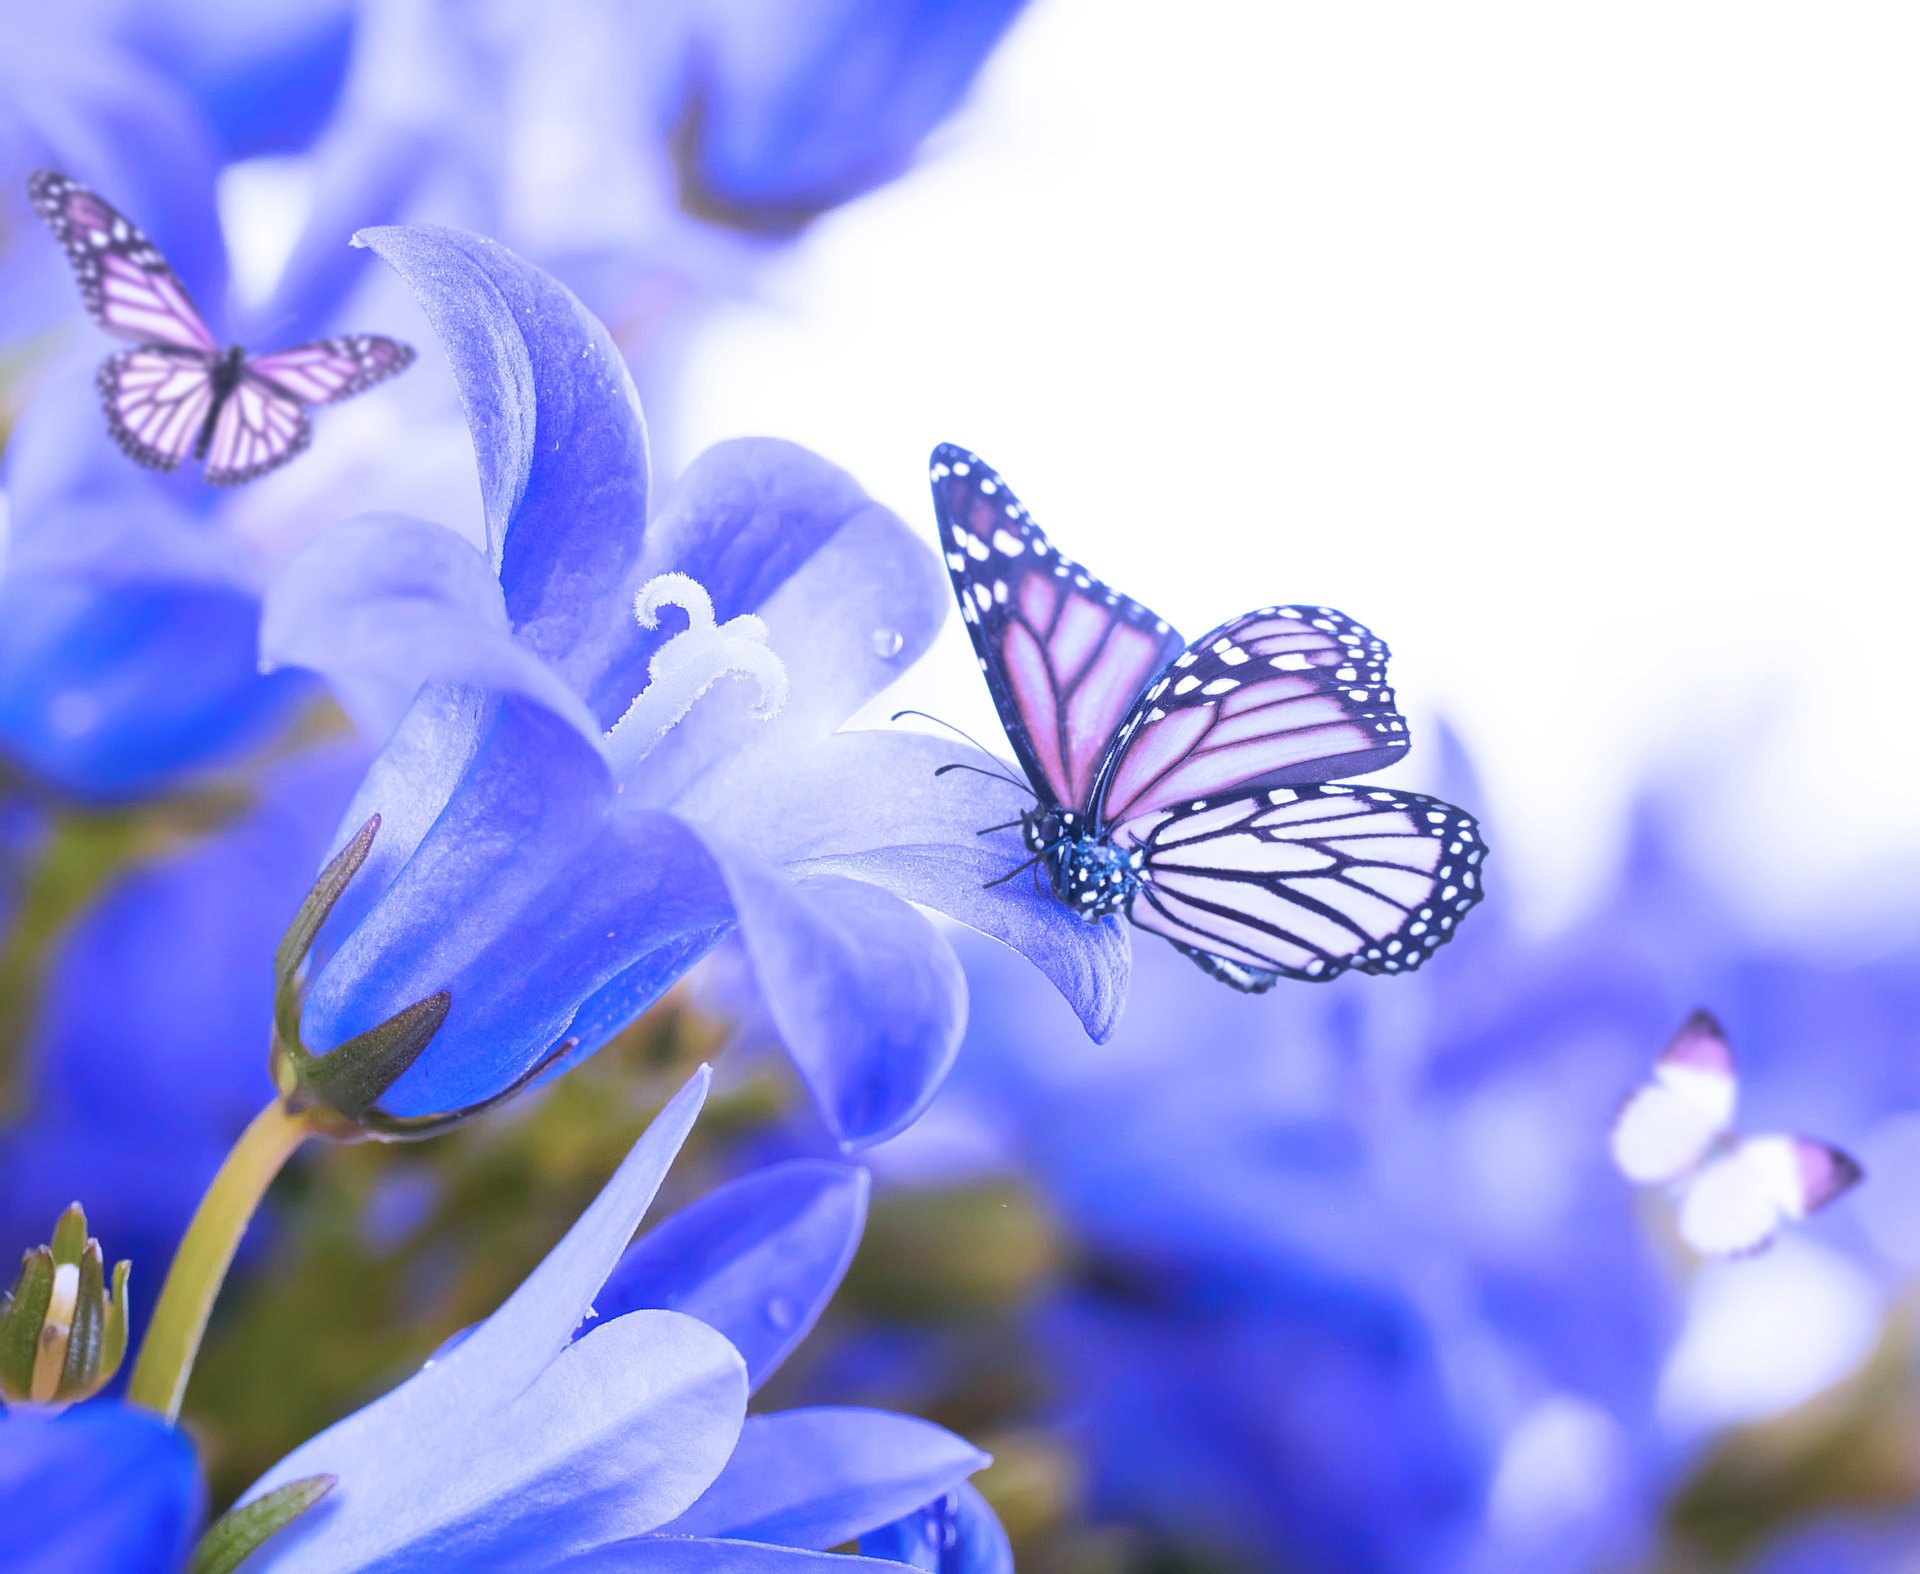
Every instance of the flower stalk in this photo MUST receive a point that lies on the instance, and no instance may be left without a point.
(159, 1380)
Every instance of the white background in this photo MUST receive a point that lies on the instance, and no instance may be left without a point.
(1576, 349)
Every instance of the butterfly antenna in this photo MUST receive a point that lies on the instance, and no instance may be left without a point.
(981, 770)
(1004, 825)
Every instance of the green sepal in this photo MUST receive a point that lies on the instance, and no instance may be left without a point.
(70, 1235)
(20, 1328)
(301, 933)
(348, 1081)
(234, 1537)
(113, 1339)
(413, 1128)
(80, 1373)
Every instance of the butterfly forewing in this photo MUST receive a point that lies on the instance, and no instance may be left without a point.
(127, 285)
(1668, 1126)
(1065, 657)
(259, 428)
(333, 369)
(1282, 697)
(1307, 882)
(156, 402)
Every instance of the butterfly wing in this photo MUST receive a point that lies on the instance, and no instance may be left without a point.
(1305, 882)
(127, 285)
(156, 403)
(1666, 1127)
(1282, 697)
(330, 370)
(259, 428)
(1738, 1201)
(1064, 656)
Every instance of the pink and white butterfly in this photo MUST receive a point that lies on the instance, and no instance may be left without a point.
(179, 392)
(1191, 787)
(1735, 1192)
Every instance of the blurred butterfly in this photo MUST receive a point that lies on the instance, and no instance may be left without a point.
(1735, 1192)
(179, 393)
(1191, 787)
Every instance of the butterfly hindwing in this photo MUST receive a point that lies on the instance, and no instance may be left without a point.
(259, 429)
(1741, 1197)
(330, 370)
(1306, 882)
(1281, 697)
(127, 286)
(1065, 657)
(156, 403)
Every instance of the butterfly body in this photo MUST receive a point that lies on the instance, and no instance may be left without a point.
(178, 393)
(1188, 788)
(1086, 870)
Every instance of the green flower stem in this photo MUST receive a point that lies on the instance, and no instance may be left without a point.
(159, 1380)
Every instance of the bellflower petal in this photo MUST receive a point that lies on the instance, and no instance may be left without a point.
(557, 432)
(917, 835)
(380, 603)
(614, 1437)
(868, 999)
(957, 1535)
(700, 1382)
(850, 595)
(758, 1259)
(100, 1487)
(816, 1478)
(699, 1555)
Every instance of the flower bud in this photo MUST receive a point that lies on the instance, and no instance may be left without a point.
(62, 1334)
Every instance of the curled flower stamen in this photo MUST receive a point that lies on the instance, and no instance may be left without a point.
(689, 664)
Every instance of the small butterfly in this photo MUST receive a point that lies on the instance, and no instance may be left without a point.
(1191, 787)
(179, 393)
(1736, 1192)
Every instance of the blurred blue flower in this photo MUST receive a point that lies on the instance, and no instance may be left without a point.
(795, 108)
(561, 777)
(1354, 1283)
(530, 1442)
(100, 1487)
(147, 1051)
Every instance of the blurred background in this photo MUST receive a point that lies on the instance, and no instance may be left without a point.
(1571, 349)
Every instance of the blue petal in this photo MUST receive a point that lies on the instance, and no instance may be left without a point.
(817, 1478)
(101, 1487)
(380, 604)
(805, 107)
(851, 599)
(614, 1437)
(758, 1259)
(695, 1555)
(956, 1534)
(434, 1415)
(917, 835)
(850, 595)
(557, 431)
(867, 997)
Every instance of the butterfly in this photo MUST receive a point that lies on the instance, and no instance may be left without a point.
(179, 392)
(1736, 1192)
(1191, 787)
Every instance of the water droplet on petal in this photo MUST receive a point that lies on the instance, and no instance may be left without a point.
(781, 1313)
(887, 643)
